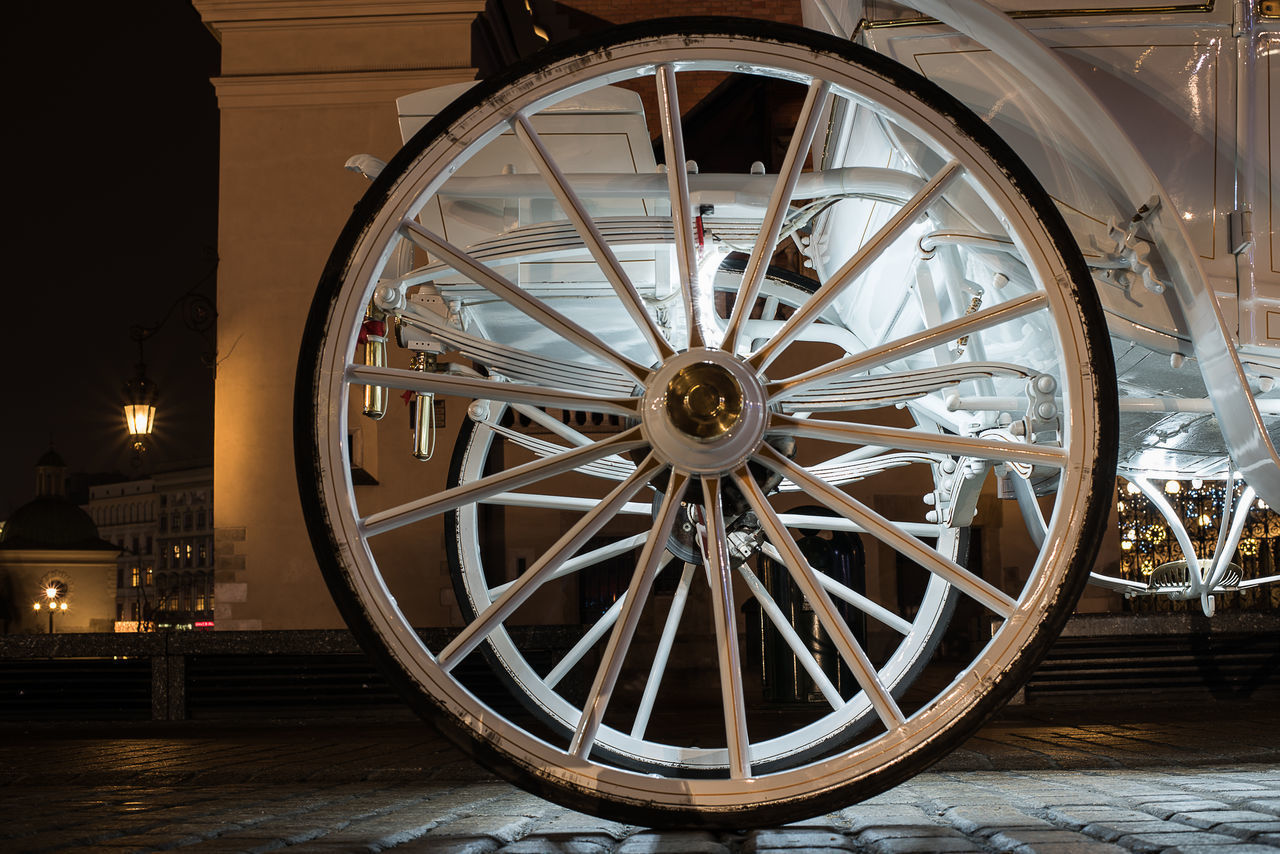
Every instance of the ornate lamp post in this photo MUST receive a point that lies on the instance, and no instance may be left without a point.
(53, 598)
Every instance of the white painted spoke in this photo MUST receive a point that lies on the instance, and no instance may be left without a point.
(495, 484)
(780, 622)
(678, 190)
(620, 641)
(479, 389)
(610, 468)
(561, 502)
(580, 649)
(663, 653)
(553, 425)
(518, 298)
(904, 218)
(779, 205)
(845, 593)
(900, 348)
(824, 609)
(715, 556)
(545, 567)
(839, 523)
(591, 237)
(920, 440)
(590, 558)
(890, 534)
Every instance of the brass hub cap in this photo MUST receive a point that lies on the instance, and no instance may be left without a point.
(704, 411)
(704, 401)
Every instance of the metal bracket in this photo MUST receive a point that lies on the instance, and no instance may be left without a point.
(1240, 230)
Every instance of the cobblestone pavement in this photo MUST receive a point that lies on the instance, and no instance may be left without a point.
(1188, 777)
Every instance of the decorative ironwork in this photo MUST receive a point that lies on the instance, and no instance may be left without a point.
(1150, 553)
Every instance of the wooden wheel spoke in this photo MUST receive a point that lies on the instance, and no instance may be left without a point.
(615, 652)
(681, 207)
(519, 298)
(803, 574)
(784, 628)
(663, 654)
(610, 266)
(845, 593)
(590, 558)
(908, 345)
(480, 389)
(890, 534)
(495, 484)
(715, 553)
(779, 204)
(897, 225)
(546, 566)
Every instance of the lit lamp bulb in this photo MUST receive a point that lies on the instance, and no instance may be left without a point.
(139, 407)
(1172, 487)
(51, 592)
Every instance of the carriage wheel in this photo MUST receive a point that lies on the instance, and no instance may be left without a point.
(953, 345)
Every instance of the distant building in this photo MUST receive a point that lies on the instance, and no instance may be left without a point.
(163, 527)
(56, 573)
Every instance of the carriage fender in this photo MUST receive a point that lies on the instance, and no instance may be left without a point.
(1251, 448)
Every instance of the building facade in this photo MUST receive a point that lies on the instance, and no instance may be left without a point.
(163, 528)
(56, 573)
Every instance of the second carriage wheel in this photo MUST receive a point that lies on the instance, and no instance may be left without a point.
(645, 424)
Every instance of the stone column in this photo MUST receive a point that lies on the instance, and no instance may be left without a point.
(304, 85)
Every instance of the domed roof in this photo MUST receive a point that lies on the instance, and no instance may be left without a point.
(50, 458)
(51, 522)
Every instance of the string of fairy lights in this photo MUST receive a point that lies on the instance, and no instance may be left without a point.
(1149, 547)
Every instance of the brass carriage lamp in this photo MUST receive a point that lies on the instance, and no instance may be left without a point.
(139, 407)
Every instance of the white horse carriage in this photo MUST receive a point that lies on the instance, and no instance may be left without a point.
(996, 307)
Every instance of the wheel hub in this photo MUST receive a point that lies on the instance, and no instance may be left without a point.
(704, 401)
(704, 411)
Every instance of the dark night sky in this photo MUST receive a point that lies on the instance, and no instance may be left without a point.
(111, 130)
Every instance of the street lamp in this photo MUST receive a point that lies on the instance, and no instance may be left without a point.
(140, 407)
(198, 314)
(55, 599)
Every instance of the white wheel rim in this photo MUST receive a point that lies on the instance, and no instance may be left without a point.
(351, 526)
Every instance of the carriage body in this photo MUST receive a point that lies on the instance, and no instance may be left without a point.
(1196, 89)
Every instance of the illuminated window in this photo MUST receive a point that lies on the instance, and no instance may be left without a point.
(134, 577)
(148, 577)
